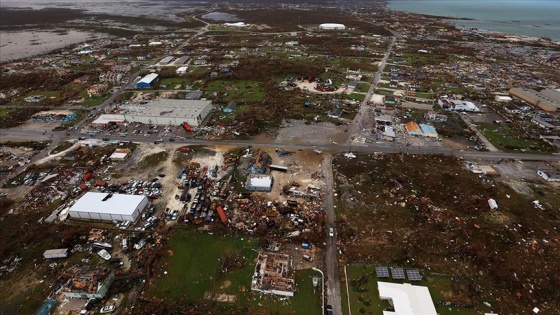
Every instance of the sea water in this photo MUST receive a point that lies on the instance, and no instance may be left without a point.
(538, 18)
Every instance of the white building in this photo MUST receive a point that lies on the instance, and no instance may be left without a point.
(407, 299)
(259, 182)
(332, 26)
(108, 207)
(182, 70)
(458, 105)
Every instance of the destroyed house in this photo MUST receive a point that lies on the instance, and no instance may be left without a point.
(89, 285)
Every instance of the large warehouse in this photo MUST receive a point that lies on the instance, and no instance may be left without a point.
(161, 112)
(547, 99)
(171, 112)
(108, 207)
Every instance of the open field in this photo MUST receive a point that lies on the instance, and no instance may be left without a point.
(237, 91)
(431, 213)
(507, 139)
(192, 274)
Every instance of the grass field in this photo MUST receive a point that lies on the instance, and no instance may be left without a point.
(356, 96)
(172, 83)
(238, 91)
(507, 139)
(362, 87)
(364, 295)
(194, 268)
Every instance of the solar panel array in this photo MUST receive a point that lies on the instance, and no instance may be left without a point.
(413, 275)
(397, 273)
(382, 272)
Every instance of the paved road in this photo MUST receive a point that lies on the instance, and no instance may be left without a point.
(357, 124)
(331, 257)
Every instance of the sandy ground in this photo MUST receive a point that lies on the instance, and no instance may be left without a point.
(15, 45)
(24, 129)
(322, 133)
(307, 86)
(301, 165)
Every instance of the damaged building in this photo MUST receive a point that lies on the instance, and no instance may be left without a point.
(273, 275)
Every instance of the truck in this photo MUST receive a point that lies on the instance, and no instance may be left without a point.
(187, 127)
(56, 253)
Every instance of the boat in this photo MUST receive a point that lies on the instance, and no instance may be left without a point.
(104, 254)
(102, 245)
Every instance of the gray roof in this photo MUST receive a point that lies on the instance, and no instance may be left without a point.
(176, 108)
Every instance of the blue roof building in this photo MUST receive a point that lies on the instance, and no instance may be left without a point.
(147, 81)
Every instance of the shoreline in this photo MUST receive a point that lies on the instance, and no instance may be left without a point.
(450, 19)
(22, 44)
(455, 20)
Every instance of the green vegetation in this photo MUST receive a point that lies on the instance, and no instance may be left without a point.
(362, 87)
(5, 112)
(172, 83)
(356, 96)
(194, 271)
(508, 139)
(237, 91)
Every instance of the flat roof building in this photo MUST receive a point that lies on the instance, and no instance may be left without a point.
(259, 182)
(547, 99)
(407, 299)
(166, 60)
(170, 112)
(108, 207)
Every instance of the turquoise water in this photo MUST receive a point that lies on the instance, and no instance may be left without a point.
(524, 17)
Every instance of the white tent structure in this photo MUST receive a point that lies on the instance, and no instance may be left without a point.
(108, 207)
(332, 26)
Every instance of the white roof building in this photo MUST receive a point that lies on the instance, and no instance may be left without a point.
(259, 182)
(182, 70)
(104, 119)
(108, 207)
(332, 26)
(407, 299)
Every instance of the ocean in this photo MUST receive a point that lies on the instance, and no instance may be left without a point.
(537, 18)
